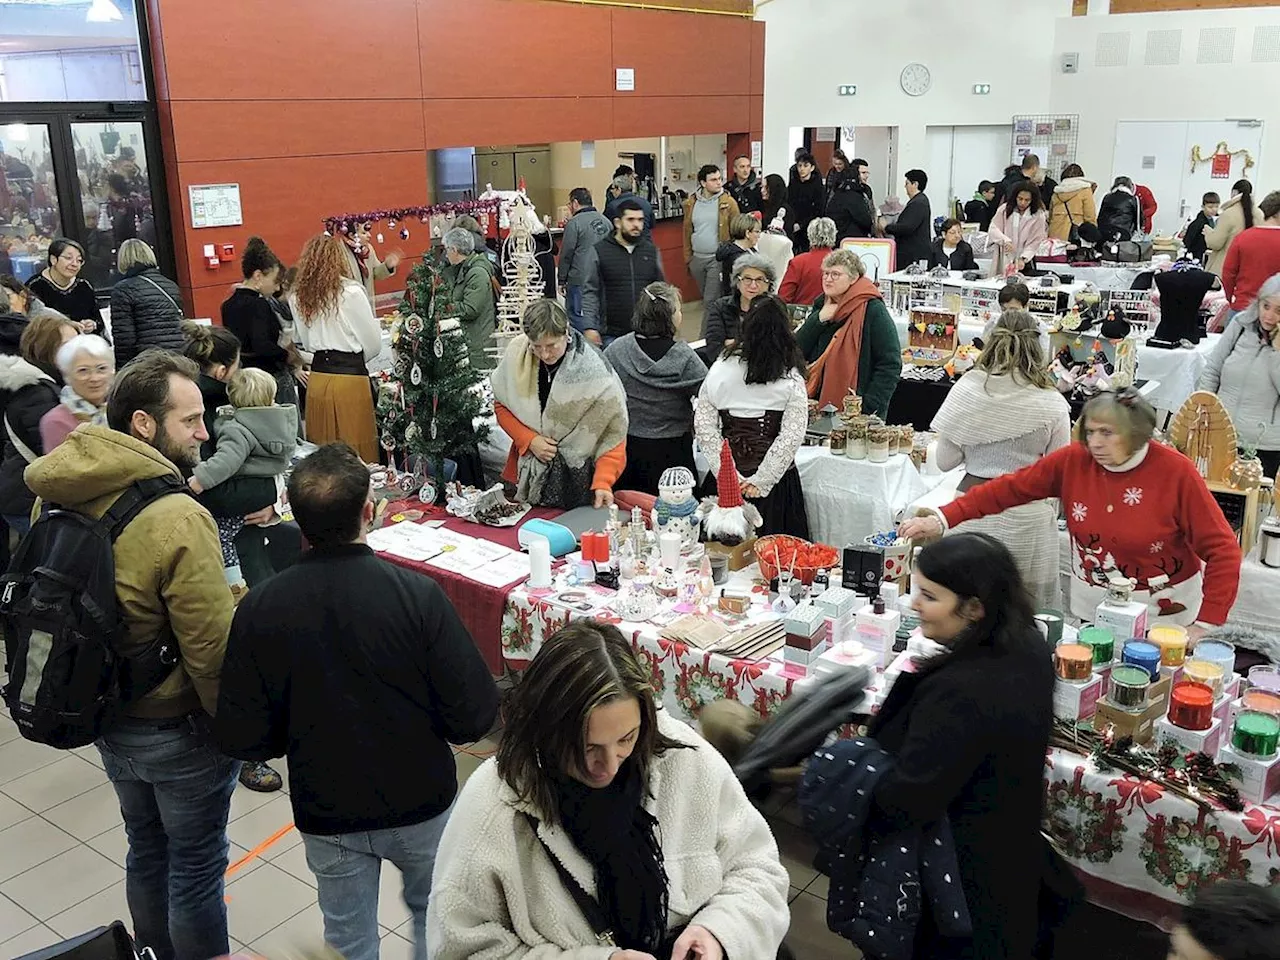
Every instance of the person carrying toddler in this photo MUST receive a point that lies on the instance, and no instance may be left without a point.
(255, 437)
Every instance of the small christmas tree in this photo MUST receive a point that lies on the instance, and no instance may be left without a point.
(430, 406)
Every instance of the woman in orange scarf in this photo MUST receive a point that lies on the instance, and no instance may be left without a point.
(849, 340)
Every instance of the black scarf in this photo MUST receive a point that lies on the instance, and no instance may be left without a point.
(612, 829)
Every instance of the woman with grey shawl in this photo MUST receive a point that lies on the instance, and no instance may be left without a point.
(565, 412)
(660, 375)
(1000, 416)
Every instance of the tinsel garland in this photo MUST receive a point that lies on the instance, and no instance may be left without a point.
(347, 222)
(1192, 776)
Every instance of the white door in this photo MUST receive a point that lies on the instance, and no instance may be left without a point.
(1157, 153)
(962, 157)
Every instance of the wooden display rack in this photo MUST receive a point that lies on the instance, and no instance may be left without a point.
(931, 349)
(1202, 429)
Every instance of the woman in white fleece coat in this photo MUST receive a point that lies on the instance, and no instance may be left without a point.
(595, 792)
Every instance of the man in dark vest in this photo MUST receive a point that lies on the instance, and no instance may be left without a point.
(618, 269)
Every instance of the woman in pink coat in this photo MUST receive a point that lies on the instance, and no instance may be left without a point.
(1018, 228)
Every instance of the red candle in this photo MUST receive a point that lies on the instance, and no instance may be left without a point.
(1191, 706)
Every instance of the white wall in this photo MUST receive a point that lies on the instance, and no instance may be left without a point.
(813, 46)
(1186, 90)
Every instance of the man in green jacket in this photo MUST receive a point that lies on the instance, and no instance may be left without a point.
(469, 287)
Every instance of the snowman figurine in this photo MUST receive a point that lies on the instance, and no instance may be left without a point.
(675, 509)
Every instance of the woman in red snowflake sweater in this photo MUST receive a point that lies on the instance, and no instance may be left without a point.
(1132, 506)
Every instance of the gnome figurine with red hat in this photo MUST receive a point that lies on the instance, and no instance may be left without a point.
(727, 518)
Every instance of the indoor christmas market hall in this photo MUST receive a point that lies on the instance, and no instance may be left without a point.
(628, 480)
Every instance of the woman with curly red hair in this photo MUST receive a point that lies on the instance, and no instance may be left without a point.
(337, 325)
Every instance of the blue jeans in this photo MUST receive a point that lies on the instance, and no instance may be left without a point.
(573, 307)
(348, 866)
(175, 793)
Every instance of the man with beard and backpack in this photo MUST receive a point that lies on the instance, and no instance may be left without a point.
(168, 616)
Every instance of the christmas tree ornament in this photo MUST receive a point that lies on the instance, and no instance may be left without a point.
(433, 428)
(388, 442)
(400, 366)
(414, 324)
(415, 375)
(411, 434)
(391, 224)
(380, 238)
(438, 348)
(404, 234)
(427, 493)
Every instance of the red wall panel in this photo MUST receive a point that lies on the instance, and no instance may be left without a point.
(469, 123)
(514, 49)
(678, 55)
(295, 49)
(238, 130)
(641, 116)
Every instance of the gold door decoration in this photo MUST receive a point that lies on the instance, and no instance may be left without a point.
(1198, 158)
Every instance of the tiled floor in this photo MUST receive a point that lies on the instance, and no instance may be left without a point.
(62, 849)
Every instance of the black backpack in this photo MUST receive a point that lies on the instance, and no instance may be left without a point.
(63, 629)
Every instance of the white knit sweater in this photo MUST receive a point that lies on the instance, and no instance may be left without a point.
(496, 895)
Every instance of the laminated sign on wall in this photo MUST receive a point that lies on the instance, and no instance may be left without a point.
(215, 205)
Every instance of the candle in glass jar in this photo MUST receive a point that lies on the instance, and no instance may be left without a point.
(1144, 655)
(1265, 676)
(1219, 652)
(1100, 640)
(1204, 672)
(1261, 701)
(1191, 706)
(1073, 661)
(1128, 688)
(1172, 641)
(1256, 734)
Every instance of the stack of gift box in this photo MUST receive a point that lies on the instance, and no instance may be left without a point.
(1150, 688)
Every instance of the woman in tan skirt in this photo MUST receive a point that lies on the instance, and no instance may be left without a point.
(336, 324)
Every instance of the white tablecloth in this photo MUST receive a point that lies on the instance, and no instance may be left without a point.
(1104, 278)
(847, 500)
(1177, 370)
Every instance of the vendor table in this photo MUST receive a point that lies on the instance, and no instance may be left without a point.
(479, 605)
(1104, 278)
(847, 500)
(1177, 370)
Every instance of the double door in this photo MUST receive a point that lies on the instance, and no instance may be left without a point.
(90, 175)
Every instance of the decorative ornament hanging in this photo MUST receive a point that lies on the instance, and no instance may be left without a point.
(391, 224)
(1221, 150)
(415, 375)
(438, 347)
(435, 407)
(388, 441)
(404, 234)
(427, 493)
(411, 434)
(379, 238)
(413, 324)
(343, 223)
(401, 366)
(433, 428)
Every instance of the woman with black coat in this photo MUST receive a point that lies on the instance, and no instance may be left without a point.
(29, 384)
(950, 250)
(248, 314)
(1120, 215)
(968, 731)
(806, 200)
(146, 307)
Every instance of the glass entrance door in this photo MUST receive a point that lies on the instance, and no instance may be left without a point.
(30, 213)
(90, 178)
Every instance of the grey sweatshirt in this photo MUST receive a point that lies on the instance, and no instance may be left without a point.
(659, 392)
(252, 442)
(706, 223)
(1244, 371)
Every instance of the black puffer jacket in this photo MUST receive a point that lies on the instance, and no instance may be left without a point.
(1120, 216)
(28, 393)
(145, 312)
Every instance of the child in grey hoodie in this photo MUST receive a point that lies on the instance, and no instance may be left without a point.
(256, 438)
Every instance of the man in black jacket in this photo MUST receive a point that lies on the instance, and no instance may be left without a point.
(744, 186)
(617, 270)
(362, 674)
(913, 229)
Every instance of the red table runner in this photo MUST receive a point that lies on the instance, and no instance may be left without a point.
(479, 605)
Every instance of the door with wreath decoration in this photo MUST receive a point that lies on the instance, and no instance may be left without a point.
(1161, 155)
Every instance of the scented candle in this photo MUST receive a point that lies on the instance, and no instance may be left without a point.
(1073, 661)
(1191, 706)
(1144, 655)
(1172, 641)
(1052, 620)
(1203, 671)
(1261, 701)
(1101, 642)
(1256, 734)
(1128, 688)
(1219, 652)
(1265, 676)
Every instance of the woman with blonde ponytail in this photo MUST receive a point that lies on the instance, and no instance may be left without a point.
(1002, 415)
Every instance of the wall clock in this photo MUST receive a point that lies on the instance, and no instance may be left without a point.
(915, 79)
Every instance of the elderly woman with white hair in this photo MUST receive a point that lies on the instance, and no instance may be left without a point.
(565, 411)
(1244, 371)
(468, 291)
(802, 282)
(88, 366)
(752, 275)
(146, 308)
